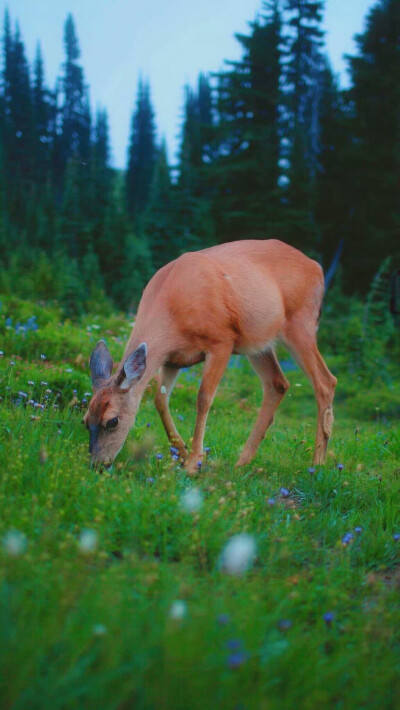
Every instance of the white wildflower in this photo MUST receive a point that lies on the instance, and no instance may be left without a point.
(238, 554)
(163, 389)
(88, 541)
(178, 610)
(192, 500)
(99, 630)
(14, 543)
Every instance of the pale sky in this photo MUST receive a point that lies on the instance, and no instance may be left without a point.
(168, 41)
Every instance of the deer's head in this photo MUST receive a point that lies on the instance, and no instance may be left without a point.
(112, 409)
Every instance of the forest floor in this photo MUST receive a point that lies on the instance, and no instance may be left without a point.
(112, 590)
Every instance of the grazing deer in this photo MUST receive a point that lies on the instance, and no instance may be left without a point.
(204, 306)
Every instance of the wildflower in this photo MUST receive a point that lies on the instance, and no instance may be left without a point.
(75, 392)
(235, 660)
(180, 417)
(199, 464)
(178, 610)
(14, 543)
(43, 383)
(163, 389)
(159, 457)
(238, 554)
(31, 402)
(311, 471)
(358, 530)
(396, 537)
(48, 391)
(12, 363)
(234, 644)
(150, 479)
(68, 369)
(175, 457)
(23, 394)
(207, 449)
(329, 617)
(1, 353)
(271, 501)
(43, 357)
(84, 401)
(99, 630)
(340, 467)
(88, 541)
(284, 624)
(347, 539)
(192, 500)
(148, 425)
(284, 492)
(173, 450)
(31, 382)
(223, 619)
(87, 394)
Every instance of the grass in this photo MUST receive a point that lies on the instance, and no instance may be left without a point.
(87, 615)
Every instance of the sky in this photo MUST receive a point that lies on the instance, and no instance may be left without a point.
(167, 41)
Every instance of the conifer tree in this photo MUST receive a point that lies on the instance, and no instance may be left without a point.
(374, 162)
(141, 155)
(303, 74)
(159, 219)
(246, 168)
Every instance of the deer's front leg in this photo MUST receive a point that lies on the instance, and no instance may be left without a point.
(168, 377)
(214, 367)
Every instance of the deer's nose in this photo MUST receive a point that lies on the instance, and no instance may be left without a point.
(93, 437)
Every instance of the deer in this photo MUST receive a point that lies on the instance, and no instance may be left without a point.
(234, 298)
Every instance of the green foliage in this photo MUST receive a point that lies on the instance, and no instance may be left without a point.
(90, 626)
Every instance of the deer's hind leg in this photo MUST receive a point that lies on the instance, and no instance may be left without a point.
(300, 337)
(275, 386)
(165, 385)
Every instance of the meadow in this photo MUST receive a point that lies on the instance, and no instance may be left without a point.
(112, 591)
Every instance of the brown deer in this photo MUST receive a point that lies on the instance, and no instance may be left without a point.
(232, 298)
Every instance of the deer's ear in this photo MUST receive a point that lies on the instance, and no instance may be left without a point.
(134, 367)
(101, 364)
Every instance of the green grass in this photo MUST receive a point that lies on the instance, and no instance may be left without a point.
(94, 630)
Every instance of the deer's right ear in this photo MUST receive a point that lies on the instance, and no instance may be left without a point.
(101, 364)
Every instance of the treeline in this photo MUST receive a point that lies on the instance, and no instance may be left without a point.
(271, 146)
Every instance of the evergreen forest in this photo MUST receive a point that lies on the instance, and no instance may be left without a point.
(271, 146)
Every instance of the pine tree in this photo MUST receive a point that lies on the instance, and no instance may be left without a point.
(374, 162)
(303, 74)
(43, 116)
(159, 219)
(245, 170)
(75, 119)
(141, 155)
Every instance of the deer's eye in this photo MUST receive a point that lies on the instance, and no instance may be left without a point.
(112, 424)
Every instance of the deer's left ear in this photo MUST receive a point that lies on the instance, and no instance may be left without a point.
(101, 364)
(134, 367)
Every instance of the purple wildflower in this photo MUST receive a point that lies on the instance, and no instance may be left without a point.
(84, 401)
(311, 471)
(396, 537)
(174, 450)
(235, 660)
(207, 449)
(223, 619)
(234, 644)
(199, 464)
(340, 467)
(175, 457)
(358, 530)
(150, 480)
(148, 425)
(347, 539)
(329, 617)
(271, 501)
(284, 492)
(159, 457)
(284, 624)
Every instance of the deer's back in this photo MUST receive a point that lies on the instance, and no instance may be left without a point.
(242, 290)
